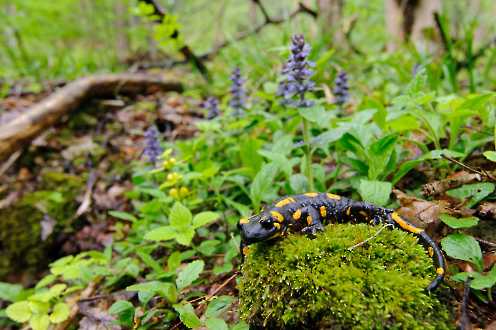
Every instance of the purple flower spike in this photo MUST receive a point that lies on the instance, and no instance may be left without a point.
(341, 88)
(152, 145)
(297, 74)
(238, 94)
(211, 104)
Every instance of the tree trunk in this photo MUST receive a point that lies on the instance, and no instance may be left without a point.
(408, 19)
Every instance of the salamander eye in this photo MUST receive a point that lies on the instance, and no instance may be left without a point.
(267, 223)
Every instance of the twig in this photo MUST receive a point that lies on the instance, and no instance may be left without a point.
(464, 318)
(440, 186)
(483, 241)
(371, 237)
(481, 172)
(302, 8)
(11, 160)
(187, 52)
(208, 297)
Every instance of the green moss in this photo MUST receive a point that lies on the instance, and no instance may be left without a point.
(21, 247)
(303, 283)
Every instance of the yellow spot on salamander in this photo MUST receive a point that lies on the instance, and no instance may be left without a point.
(364, 214)
(285, 201)
(245, 251)
(405, 225)
(297, 214)
(243, 221)
(311, 194)
(348, 211)
(431, 251)
(309, 220)
(277, 225)
(440, 271)
(333, 196)
(323, 211)
(279, 217)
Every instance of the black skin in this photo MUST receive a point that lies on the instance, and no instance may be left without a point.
(279, 218)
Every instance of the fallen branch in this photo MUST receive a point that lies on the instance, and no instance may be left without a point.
(454, 181)
(36, 119)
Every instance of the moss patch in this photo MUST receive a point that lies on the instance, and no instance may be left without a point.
(318, 284)
(21, 247)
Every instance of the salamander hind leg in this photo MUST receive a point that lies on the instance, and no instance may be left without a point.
(313, 221)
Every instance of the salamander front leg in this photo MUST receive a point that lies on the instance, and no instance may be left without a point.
(314, 224)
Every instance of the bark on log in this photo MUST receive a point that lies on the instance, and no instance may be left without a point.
(27, 126)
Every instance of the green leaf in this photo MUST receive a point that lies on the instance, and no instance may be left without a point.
(241, 326)
(164, 289)
(124, 311)
(19, 311)
(123, 215)
(39, 322)
(218, 305)
(316, 114)
(174, 261)
(187, 315)
(263, 184)
(180, 215)
(216, 324)
(185, 235)
(163, 233)
(190, 273)
(459, 222)
(208, 247)
(476, 192)
(38, 307)
(10, 292)
(332, 135)
(298, 183)
(375, 192)
(491, 155)
(204, 218)
(60, 313)
(484, 281)
(463, 247)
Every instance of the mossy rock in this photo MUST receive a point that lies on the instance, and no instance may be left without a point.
(303, 283)
(21, 248)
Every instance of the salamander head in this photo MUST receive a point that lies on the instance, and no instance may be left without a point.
(259, 227)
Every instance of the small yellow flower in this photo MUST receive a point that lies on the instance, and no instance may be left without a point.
(173, 193)
(183, 191)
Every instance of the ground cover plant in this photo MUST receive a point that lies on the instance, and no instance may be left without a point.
(132, 204)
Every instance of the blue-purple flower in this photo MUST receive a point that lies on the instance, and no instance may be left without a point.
(341, 88)
(297, 74)
(152, 144)
(238, 94)
(211, 104)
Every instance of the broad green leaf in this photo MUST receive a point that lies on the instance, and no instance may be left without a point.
(491, 155)
(218, 305)
(263, 183)
(19, 311)
(187, 315)
(250, 158)
(185, 235)
(10, 292)
(164, 289)
(208, 247)
(60, 313)
(459, 222)
(44, 281)
(123, 215)
(332, 135)
(190, 273)
(375, 192)
(38, 307)
(241, 326)
(163, 233)
(174, 261)
(180, 215)
(225, 268)
(39, 322)
(463, 247)
(484, 281)
(404, 169)
(476, 192)
(216, 324)
(316, 114)
(298, 183)
(204, 218)
(124, 311)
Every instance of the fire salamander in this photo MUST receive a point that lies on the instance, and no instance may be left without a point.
(308, 213)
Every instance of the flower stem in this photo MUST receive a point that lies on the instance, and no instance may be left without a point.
(308, 154)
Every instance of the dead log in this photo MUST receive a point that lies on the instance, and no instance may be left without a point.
(36, 119)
